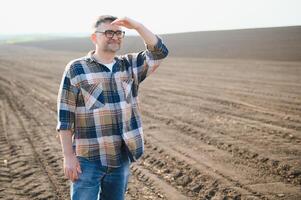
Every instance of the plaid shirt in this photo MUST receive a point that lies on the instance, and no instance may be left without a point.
(100, 106)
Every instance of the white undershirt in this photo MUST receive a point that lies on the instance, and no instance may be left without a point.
(110, 65)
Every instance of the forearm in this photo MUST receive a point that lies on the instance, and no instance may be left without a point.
(148, 37)
(66, 142)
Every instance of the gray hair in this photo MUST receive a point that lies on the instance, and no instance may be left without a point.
(103, 19)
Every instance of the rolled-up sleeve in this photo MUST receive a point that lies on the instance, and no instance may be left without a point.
(66, 103)
(146, 62)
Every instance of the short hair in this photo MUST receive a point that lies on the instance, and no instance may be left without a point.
(103, 19)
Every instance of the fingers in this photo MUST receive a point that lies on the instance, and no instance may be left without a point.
(68, 173)
(72, 174)
(115, 21)
(125, 22)
(78, 169)
(118, 22)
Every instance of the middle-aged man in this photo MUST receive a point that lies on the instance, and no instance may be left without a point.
(99, 120)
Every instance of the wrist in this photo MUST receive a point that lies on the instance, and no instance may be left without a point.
(139, 26)
(68, 154)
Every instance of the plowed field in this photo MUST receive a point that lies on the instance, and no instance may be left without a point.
(214, 129)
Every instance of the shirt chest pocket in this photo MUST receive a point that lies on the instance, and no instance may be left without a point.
(127, 89)
(93, 95)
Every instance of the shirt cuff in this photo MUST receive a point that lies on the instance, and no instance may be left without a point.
(157, 52)
(64, 126)
(155, 48)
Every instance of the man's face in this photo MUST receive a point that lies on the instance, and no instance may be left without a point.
(105, 43)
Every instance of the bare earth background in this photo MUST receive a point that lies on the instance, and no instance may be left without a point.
(222, 117)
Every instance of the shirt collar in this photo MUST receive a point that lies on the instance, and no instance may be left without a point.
(89, 57)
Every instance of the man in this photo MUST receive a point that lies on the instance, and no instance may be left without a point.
(99, 120)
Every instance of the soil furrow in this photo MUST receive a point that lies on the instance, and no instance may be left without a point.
(245, 155)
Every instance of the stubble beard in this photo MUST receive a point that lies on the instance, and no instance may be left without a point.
(112, 47)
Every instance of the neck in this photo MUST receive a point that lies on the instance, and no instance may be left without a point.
(104, 56)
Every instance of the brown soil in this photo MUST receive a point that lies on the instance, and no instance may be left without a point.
(214, 129)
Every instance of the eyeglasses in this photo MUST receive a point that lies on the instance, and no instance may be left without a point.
(110, 33)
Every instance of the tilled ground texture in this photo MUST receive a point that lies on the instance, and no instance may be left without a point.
(214, 129)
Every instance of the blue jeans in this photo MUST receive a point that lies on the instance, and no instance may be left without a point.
(97, 182)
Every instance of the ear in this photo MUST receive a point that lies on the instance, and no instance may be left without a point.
(93, 38)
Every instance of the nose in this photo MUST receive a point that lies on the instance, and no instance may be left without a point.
(115, 37)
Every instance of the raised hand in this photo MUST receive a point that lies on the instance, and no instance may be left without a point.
(127, 23)
(149, 38)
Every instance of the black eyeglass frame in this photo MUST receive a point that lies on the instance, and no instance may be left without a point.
(107, 32)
